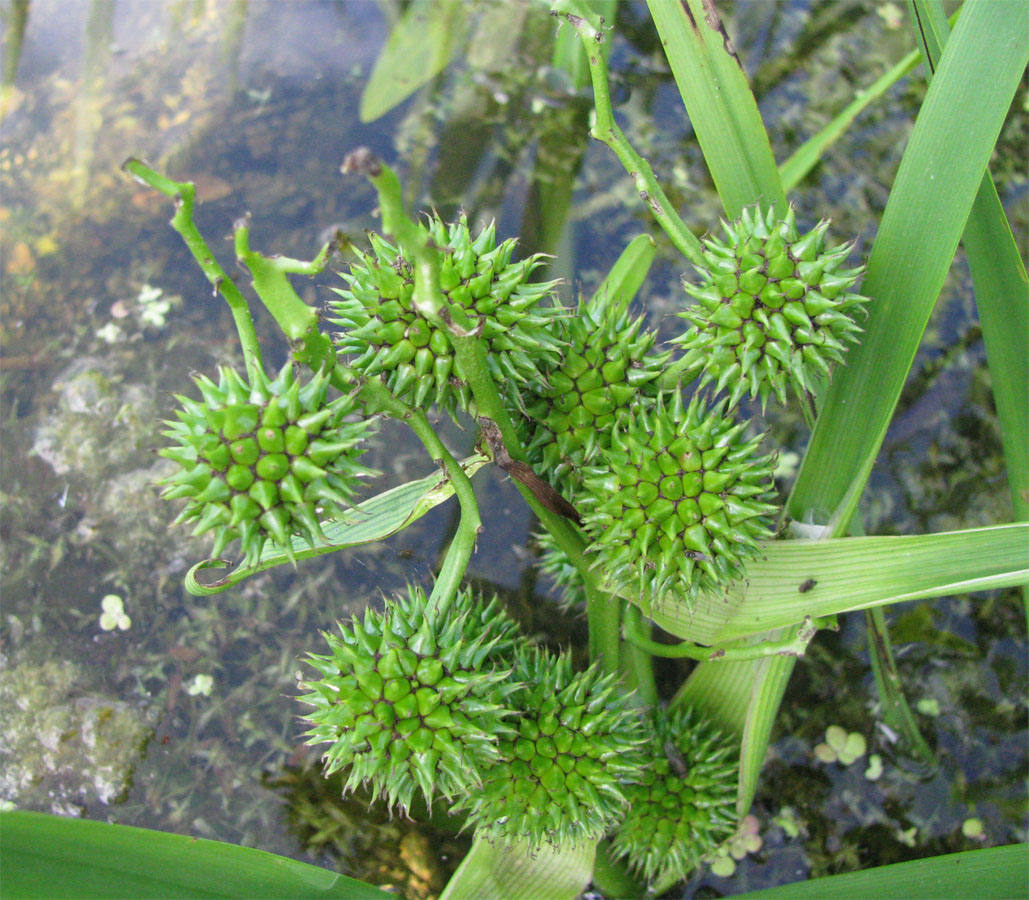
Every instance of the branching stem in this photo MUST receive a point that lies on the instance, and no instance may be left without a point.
(634, 632)
(605, 129)
(298, 321)
(184, 195)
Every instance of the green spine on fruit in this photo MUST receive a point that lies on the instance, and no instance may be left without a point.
(774, 310)
(605, 370)
(260, 462)
(412, 699)
(385, 334)
(679, 500)
(685, 804)
(563, 771)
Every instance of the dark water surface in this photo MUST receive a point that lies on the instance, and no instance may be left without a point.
(183, 719)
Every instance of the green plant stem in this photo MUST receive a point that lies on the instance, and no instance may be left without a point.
(605, 129)
(448, 579)
(376, 398)
(637, 664)
(794, 646)
(603, 616)
(602, 610)
(298, 321)
(184, 195)
(471, 360)
(428, 299)
(414, 242)
(895, 709)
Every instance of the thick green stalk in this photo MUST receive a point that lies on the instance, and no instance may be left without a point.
(637, 665)
(602, 609)
(376, 398)
(428, 298)
(184, 195)
(298, 321)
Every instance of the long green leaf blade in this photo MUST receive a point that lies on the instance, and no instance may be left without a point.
(628, 273)
(721, 106)
(938, 178)
(994, 873)
(1001, 296)
(795, 579)
(743, 697)
(419, 47)
(53, 858)
(808, 154)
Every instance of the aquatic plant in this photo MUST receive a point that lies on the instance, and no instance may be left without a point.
(657, 497)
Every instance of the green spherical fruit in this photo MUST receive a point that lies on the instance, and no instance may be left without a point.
(685, 803)
(385, 334)
(607, 366)
(265, 462)
(679, 501)
(774, 309)
(562, 772)
(414, 699)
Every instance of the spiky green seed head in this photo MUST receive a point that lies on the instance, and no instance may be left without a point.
(774, 309)
(385, 333)
(562, 775)
(264, 462)
(410, 699)
(680, 500)
(607, 366)
(685, 804)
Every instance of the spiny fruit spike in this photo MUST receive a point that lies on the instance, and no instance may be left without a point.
(408, 700)
(260, 462)
(563, 766)
(685, 805)
(385, 334)
(679, 501)
(606, 369)
(774, 309)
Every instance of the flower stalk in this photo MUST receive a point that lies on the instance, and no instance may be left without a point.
(183, 193)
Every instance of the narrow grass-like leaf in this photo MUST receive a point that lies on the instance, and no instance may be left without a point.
(807, 155)
(798, 579)
(994, 873)
(770, 679)
(939, 176)
(374, 520)
(510, 871)
(629, 272)
(720, 104)
(52, 858)
(743, 697)
(804, 580)
(1001, 296)
(419, 47)
(895, 711)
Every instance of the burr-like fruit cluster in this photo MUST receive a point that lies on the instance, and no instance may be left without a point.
(384, 333)
(263, 462)
(774, 309)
